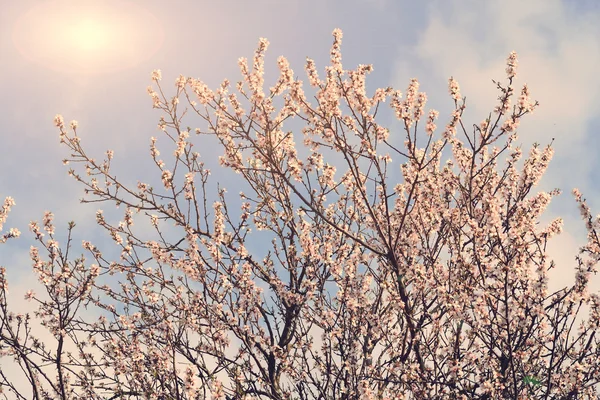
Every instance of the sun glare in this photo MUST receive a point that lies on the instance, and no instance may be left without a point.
(87, 37)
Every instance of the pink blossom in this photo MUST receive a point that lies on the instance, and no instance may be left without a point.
(331, 275)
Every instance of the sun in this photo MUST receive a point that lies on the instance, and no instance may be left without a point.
(90, 35)
(87, 37)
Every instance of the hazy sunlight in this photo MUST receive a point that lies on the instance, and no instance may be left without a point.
(87, 37)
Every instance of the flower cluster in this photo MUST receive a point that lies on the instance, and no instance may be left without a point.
(359, 283)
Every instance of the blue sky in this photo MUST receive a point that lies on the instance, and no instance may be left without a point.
(559, 55)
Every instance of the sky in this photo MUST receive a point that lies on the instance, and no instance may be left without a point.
(91, 61)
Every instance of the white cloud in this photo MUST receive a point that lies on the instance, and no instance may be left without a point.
(558, 52)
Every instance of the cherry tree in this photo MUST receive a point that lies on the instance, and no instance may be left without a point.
(330, 276)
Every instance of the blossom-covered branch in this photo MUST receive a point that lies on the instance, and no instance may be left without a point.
(330, 275)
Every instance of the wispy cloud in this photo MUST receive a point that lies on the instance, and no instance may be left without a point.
(559, 53)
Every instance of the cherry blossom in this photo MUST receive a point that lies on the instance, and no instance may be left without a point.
(346, 267)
